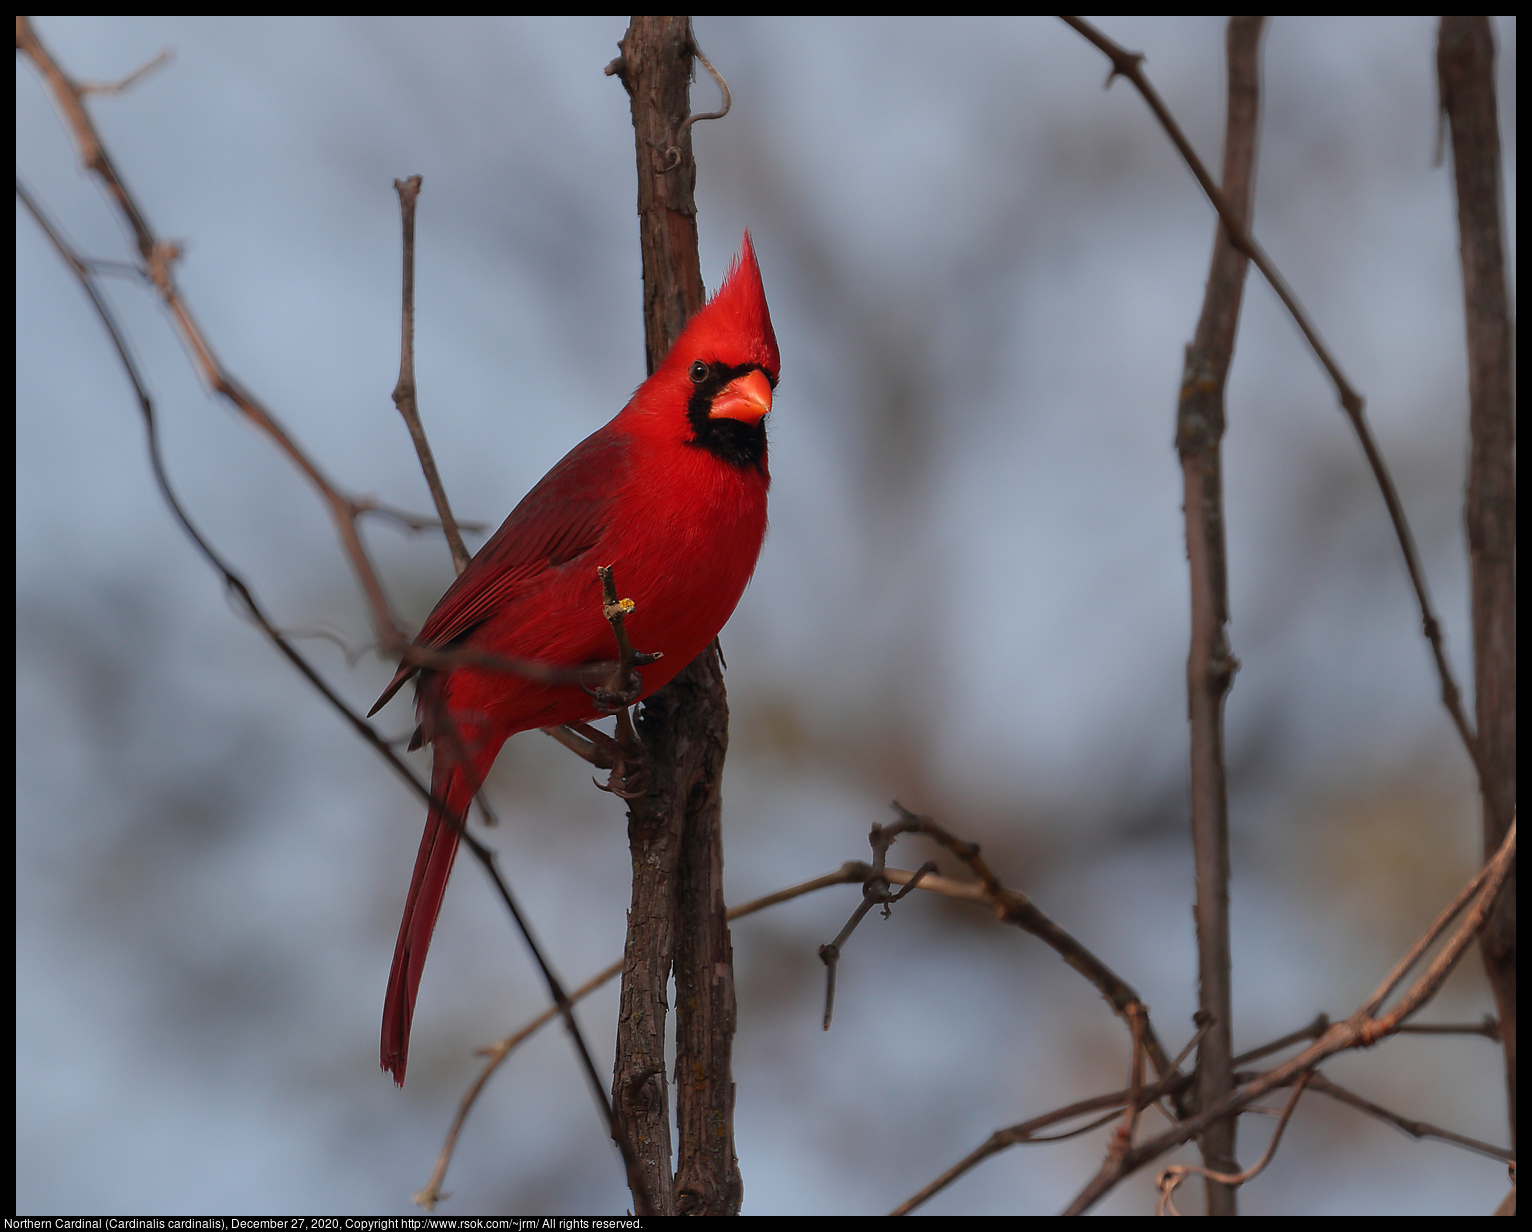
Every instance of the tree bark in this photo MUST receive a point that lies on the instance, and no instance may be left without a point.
(1210, 664)
(678, 914)
(1465, 61)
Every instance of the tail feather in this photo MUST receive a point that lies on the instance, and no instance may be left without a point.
(433, 865)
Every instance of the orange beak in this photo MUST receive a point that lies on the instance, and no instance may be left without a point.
(746, 398)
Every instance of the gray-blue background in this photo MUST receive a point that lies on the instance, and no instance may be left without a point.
(983, 270)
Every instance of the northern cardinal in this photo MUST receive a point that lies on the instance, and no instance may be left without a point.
(672, 494)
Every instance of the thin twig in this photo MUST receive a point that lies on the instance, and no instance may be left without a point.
(1426, 940)
(1313, 1031)
(1128, 64)
(1415, 1129)
(405, 393)
(123, 84)
(1013, 907)
(1489, 1028)
(157, 255)
(1174, 1175)
(850, 872)
(1361, 1030)
(875, 892)
(621, 688)
(723, 86)
(1123, 1138)
(413, 522)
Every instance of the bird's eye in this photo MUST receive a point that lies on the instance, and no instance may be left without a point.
(698, 373)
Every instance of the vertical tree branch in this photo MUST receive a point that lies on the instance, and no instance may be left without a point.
(690, 717)
(656, 67)
(1210, 664)
(678, 910)
(1465, 62)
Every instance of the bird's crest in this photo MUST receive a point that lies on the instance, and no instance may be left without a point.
(736, 321)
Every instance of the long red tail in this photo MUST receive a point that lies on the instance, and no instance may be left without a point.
(438, 848)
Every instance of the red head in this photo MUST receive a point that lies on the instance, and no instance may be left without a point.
(722, 368)
(734, 327)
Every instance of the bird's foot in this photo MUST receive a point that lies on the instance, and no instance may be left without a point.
(623, 755)
(629, 778)
(609, 695)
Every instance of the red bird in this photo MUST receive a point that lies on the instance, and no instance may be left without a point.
(671, 494)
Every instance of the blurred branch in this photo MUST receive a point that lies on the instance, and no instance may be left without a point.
(1122, 1138)
(123, 84)
(1415, 1129)
(1465, 62)
(157, 256)
(850, 872)
(1363, 1029)
(1148, 1096)
(1024, 1134)
(875, 892)
(404, 390)
(1028, 1131)
(1128, 64)
(1489, 1028)
(1210, 663)
(625, 756)
(1172, 1177)
(1013, 907)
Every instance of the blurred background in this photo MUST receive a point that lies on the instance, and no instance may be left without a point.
(982, 269)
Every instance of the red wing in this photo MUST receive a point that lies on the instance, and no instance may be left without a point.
(558, 520)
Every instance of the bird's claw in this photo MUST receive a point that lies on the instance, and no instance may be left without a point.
(629, 777)
(627, 782)
(610, 700)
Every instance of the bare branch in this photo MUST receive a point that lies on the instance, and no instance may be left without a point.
(123, 84)
(157, 256)
(1415, 1129)
(675, 828)
(1129, 64)
(405, 394)
(1361, 1030)
(1489, 1028)
(1465, 63)
(1173, 1176)
(427, 1197)
(1013, 907)
(1210, 663)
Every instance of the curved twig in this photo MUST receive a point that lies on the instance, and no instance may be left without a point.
(428, 1196)
(1361, 1030)
(673, 154)
(157, 256)
(1014, 907)
(1128, 64)
(1172, 1177)
(723, 88)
